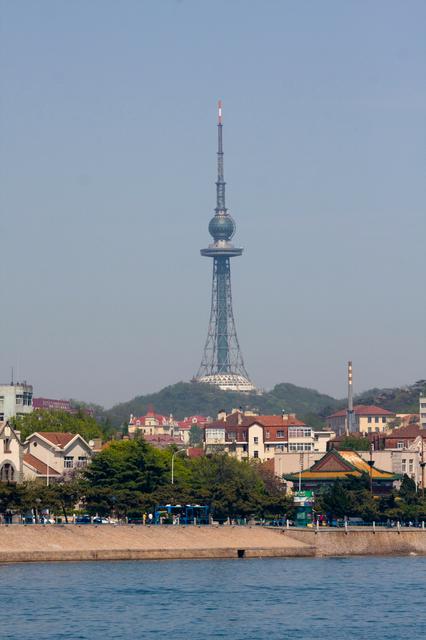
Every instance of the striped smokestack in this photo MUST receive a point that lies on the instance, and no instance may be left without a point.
(350, 410)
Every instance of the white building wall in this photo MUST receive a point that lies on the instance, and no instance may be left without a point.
(15, 400)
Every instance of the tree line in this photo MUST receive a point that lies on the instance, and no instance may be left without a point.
(130, 477)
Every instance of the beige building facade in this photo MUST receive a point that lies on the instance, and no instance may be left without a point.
(53, 455)
(367, 419)
(262, 437)
(11, 454)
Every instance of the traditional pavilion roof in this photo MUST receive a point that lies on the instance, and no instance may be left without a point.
(341, 464)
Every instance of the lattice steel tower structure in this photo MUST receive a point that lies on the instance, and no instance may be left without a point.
(222, 363)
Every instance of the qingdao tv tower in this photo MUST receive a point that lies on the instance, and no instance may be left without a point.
(222, 362)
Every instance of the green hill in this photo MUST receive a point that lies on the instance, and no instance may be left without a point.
(189, 398)
(399, 399)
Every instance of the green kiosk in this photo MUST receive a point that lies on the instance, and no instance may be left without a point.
(304, 501)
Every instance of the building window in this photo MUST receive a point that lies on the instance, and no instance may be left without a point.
(299, 432)
(399, 445)
(255, 454)
(377, 429)
(376, 419)
(299, 446)
(404, 465)
(82, 461)
(410, 466)
(1, 417)
(6, 445)
(244, 447)
(19, 399)
(68, 462)
(280, 434)
(369, 418)
(256, 440)
(369, 429)
(232, 435)
(267, 435)
(384, 419)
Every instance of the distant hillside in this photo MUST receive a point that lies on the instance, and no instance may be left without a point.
(186, 398)
(399, 399)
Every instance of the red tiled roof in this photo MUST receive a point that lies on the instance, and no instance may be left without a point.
(39, 466)
(193, 420)
(409, 431)
(247, 421)
(363, 410)
(58, 438)
(195, 452)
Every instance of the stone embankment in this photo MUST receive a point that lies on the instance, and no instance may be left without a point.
(38, 543)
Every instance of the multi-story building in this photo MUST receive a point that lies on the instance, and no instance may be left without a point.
(152, 424)
(53, 455)
(422, 411)
(366, 419)
(261, 437)
(15, 400)
(399, 451)
(155, 427)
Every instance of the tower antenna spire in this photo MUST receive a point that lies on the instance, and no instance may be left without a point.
(220, 184)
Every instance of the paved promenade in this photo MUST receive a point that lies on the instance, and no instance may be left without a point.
(38, 543)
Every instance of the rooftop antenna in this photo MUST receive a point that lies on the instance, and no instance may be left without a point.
(11, 381)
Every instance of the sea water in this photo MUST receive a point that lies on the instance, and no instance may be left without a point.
(334, 598)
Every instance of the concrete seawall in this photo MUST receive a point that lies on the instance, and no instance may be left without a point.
(38, 543)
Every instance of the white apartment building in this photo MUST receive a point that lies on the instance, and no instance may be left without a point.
(15, 400)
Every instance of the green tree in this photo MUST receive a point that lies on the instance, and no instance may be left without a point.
(66, 494)
(354, 444)
(122, 475)
(231, 488)
(46, 420)
(196, 435)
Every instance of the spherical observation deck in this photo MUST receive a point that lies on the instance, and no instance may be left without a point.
(222, 226)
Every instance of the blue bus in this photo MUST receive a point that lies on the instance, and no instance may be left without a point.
(181, 514)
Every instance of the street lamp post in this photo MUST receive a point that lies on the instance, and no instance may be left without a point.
(173, 463)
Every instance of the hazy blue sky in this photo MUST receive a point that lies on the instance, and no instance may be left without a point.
(107, 168)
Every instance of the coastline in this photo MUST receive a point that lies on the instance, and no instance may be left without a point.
(45, 543)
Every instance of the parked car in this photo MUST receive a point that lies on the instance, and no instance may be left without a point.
(86, 519)
(100, 520)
